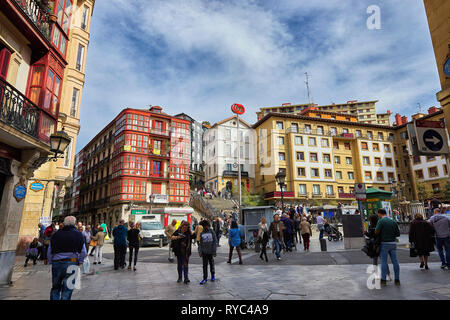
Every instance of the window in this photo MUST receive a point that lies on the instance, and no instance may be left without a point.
(68, 155)
(375, 147)
(80, 57)
(433, 172)
(328, 173)
(378, 161)
(330, 190)
(302, 188)
(380, 176)
(300, 156)
(380, 136)
(298, 140)
(335, 145)
(436, 187)
(316, 189)
(389, 162)
(52, 89)
(319, 130)
(73, 107)
(345, 130)
(311, 141)
(294, 127)
(339, 175)
(281, 156)
(350, 175)
(416, 159)
(419, 174)
(390, 176)
(358, 133)
(314, 172)
(337, 159)
(369, 134)
(37, 78)
(279, 125)
(366, 161)
(326, 157)
(313, 157)
(430, 158)
(347, 146)
(333, 131)
(348, 160)
(364, 146)
(5, 56)
(301, 172)
(84, 18)
(387, 148)
(325, 143)
(368, 175)
(340, 189)
(444, 167)
(307, 128)
(280, 141)
(228, 134)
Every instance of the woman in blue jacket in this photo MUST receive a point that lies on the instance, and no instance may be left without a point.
(234, 240)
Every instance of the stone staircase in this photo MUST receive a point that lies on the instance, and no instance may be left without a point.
(210, 208)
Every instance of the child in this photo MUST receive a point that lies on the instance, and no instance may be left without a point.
(32, 252)
(207, 250)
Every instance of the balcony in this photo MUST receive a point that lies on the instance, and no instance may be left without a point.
(20, 113)
(331, 195)
(317, 195)
(158, 153)
(277, 194)
(160, 132)
(33, 12)
(304, 195)
(343, 195)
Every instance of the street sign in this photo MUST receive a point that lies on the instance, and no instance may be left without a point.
(360, 191)
(431, 137)
(138, 211)
(447, 67)
(36, 186)
(238, 108)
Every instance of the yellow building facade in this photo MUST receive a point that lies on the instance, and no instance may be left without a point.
(53, 175)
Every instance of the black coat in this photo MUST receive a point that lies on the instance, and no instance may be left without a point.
(182, 246)
(421, 233)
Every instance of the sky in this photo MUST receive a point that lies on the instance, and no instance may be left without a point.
(201, 56)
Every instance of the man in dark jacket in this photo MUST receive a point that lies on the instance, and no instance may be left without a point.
(120, 245)
(288, 231)
(276, 232)
(207, 250)
(66, 251)
(217, 230)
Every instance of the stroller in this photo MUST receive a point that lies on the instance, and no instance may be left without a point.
(333, 233)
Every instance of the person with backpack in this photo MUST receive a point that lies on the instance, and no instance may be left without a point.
(263, 237)
(373, 244)
(421, 236)
(207, 250)
(388, 231)
(441, 226)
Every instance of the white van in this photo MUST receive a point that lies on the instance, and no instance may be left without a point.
(152, 229)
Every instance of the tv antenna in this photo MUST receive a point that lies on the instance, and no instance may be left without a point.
(307, 88)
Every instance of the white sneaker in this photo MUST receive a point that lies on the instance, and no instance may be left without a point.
(278, 258)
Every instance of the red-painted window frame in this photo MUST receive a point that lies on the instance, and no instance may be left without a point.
(58, 27)
(5, 57)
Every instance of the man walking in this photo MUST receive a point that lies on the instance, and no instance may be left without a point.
(441, 225)
(120, 245)
(170, 229)
(320, 226)
(67, 248)
(207, 250)
(217, 230)
(388, 231)
(87, 236)
(276, 232)
(41, 241)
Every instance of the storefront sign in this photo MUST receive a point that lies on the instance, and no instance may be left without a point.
(20, 191)
(138, 211)
(160, 198)
(36, 186)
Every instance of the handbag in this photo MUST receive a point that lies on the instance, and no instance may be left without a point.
(93, 243)
(412, 250)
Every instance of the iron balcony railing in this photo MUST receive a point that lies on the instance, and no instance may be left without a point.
(38, 13)
(18, 111)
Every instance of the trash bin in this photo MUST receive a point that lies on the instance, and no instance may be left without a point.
(323, 244)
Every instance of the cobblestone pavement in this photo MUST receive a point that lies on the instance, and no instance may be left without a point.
(336, 274)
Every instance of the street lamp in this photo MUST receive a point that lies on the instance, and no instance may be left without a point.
(280, 178)
(58, 144)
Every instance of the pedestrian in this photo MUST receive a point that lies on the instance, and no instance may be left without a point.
(92, 244)
(370, 233)
(207, 250)
(169, 231)
(305, 229)
(234, 240)
(120, 245)
(421, 235)
(388, 230)
(319, 220)
(49, 231)
(32, 252)
(297, 233)
(105, 230)
(197, 232)
(67, 248)
(441, 226)
(263, 237)
(41, 230)
(133, 245)
(292, 212)
(99, 240)
(181, 242)
(276, 232)
(287, 232)
(217, 229)
(87, 235)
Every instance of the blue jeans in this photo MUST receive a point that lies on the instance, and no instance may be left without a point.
(277, 247)
(442, 243)
(59, 290)
(321, 234)
(391, 250)
(183, 267)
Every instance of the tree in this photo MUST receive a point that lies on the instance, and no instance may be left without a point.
(422, 191)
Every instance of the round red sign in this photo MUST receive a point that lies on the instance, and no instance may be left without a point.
(238, 108)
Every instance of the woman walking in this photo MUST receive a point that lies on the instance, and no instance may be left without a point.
(234, 240)
(133, 244)
(181, 245)
(421, 234)
(306, 231)
(263, 237)
(99, 239)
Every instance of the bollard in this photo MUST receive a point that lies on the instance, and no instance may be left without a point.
(323, 244)
(160, 242)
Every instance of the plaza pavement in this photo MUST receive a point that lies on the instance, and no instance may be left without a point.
(335, 274)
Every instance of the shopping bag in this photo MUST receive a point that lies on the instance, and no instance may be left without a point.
(77, 284)
(86, 265)
(107, 237)
(412, 250)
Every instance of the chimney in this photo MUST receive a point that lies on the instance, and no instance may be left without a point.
(388, 112)
(432, 110)
(398, 119)
(404, 119)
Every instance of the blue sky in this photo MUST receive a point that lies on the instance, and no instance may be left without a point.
(199, 57)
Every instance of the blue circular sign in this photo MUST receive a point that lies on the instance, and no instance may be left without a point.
(447, 67)
(20, 191)
(433, 140)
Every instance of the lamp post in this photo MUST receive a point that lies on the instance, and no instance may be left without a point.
(280, 178)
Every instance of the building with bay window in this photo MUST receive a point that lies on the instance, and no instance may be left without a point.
(138, 160)
(62, 85)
